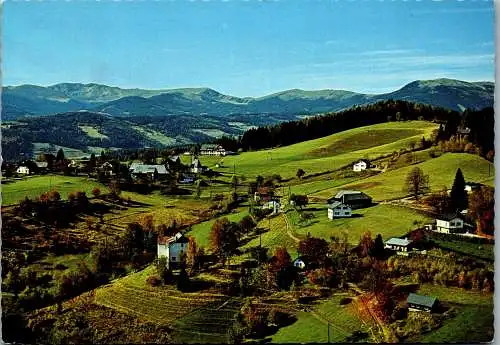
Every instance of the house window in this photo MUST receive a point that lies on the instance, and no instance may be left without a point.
(173, 258)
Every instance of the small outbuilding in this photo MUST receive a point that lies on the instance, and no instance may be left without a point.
(353, 198)
(401, 246)
(360, 165)
(301, 262)
(23, 170)
(421, 303)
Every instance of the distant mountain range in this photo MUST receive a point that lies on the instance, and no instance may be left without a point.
(32, 100)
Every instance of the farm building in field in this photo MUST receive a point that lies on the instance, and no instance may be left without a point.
(400, 245)
(172, 248)
(42, 166)
(352, 198)
(421, 303)
(338, 210)
(153, 171)
(196, 167)
(360, 165)
(212, 150)
(106, 168)
(23, 170)
(449, 224)
(274, 205)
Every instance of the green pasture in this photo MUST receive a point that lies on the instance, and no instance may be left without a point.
(474, 318)
(201, 231)
(14, 192)
(331, 152)
(384, 219)
(441, 171)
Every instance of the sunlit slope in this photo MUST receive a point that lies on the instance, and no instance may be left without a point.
(331, 152)
(441, 173)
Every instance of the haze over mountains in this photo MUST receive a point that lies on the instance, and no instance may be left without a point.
(32, 100)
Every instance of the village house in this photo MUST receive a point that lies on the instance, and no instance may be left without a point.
(274, 205)
(449, 224)
(353, 198)
(152, 171)
(42, 167)
(421, 303)
(360, 165)
(196, 167)
(402, 246)
(301, 262)
(338, 210)
(212, 150)
(172, 248)
(106, 168)
(23, 170)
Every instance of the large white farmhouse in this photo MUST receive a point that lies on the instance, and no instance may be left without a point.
(338, 209)
(449, 224)
(172, 248)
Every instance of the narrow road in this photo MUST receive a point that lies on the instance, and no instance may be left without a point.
(288, 227)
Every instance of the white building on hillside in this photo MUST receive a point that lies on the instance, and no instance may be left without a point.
(449, 224)
(338, 210)
(172, 248)
(360, 165)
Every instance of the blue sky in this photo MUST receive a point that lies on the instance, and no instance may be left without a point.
(248, 48)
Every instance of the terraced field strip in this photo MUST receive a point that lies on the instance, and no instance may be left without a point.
(209, 324)
(159, 307)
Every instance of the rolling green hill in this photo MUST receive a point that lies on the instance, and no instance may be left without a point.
(331, 152)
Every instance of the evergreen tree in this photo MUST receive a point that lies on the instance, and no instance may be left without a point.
(60, 155)
(458, 194)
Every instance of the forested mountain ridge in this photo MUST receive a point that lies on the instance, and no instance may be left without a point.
(30, 100)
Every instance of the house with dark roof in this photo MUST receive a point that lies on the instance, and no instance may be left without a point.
(338, 210)
(353, 198)
(421, 303)
(472, 186)
(401, 246)
(152, 171)
(172, 248)
(450, 224)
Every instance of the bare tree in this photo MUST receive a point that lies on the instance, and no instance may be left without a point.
(416, 183)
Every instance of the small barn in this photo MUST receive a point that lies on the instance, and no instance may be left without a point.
(353, 198)
(23, 170)
(338, 210)
(400, 245)
(421, 303)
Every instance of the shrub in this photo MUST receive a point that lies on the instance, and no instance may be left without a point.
(153, 280)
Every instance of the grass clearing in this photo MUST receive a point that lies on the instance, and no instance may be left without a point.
(441, 171)
(93, 132)
(14, 192)
(388, 220)
(286, 160)
(474, 319)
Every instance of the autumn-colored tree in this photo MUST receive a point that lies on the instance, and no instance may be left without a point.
(365, 244)
(247, 223)
(482, 209)
(314, 248)
(223, 238)
(416, 183)
(377, 250)
(53, 195)
(96, 192)
(281, 258)
(192, 255)
(440, 201)
(147, 222)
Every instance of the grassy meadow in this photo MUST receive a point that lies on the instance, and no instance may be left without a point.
(331, 152)
(15, 191)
